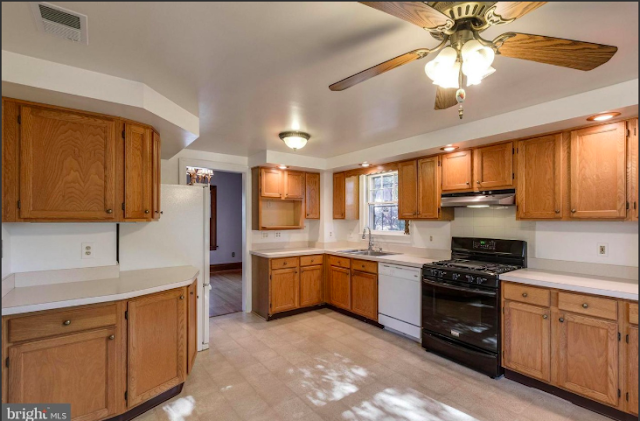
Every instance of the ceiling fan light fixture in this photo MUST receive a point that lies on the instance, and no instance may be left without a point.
(603, 116)
(365, 164)
(444, 69)
(476, 61)
(294, 139)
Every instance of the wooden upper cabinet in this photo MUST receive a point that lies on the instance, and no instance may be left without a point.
(338, 196)
(312, 195)
(351, 197)
(310, 285)
(587, 360)
(192, 325)
(339, 288)
(598, 172)
(79, 369)
(67, 165)
(493, 167)
(631, 369)
(270, 183)
(456, 171)
(428, 188)
(527, 340)
(157, 344)
(408, 189)
(539, 193)
(285, 287)
(632, 169)
(138, 177)
(294, 182)
(364, 294)
(156, 176)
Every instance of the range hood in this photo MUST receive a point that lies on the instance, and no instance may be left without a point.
(480, 199)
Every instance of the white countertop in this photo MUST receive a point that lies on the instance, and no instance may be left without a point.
(598, 285)
(128, 285)
(397, 259)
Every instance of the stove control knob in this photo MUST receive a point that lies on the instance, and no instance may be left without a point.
(442, 273)
(481, 280)
(455, 276)
(469, 278)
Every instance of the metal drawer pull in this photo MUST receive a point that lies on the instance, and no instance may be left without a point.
(561, 319)
(544, 316)
(573, 211)
(112, 337)
(524, 294)
(66, 322)
(557, 210)
(585, 305)
(146, 211)
(182, 297)
(109, 210)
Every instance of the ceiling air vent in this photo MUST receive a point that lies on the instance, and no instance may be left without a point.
(60, 22)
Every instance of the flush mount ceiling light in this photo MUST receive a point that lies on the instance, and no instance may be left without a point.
(295, 139)
(463, 57)
(365, 164)
(282, 167)
(449, 148)
(603, 116)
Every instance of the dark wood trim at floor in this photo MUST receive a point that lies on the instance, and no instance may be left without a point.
(225, 266)
(602, 409)
(148, 405)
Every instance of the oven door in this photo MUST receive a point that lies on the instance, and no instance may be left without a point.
(463, 314)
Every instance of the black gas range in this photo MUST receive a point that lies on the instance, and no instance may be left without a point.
(461, 301)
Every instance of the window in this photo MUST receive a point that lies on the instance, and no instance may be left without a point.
(382, 201)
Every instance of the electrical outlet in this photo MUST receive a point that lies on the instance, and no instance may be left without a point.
(233, 254)
(265, 235)
(431, 238)
(277, 235)
(87, 250)
(330, 233)
(603, 249)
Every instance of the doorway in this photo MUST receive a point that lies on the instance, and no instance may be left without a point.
(225, 231)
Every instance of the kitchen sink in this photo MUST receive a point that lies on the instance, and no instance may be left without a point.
(365, 252)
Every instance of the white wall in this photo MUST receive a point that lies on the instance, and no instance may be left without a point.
(6, 251)
(36, 246)
(229, 220)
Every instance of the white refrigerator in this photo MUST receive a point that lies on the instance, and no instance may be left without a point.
(180, 237)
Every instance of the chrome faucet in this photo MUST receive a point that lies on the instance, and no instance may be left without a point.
(364, 233)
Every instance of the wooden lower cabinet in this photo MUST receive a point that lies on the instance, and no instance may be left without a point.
(310, 285)
(285, 287)
(631, 366)
(364, 294)
(192, 325)
(527, 340)
(79, 369)
(339, 288)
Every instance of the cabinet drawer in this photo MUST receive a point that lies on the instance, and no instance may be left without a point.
(343, 262)
(527, 294)
(60, 322)
(311, 260)
(286, 262)
(586, 304)
(633, 313)
(364, 265)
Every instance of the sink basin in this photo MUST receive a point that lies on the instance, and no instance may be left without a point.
(365, 252)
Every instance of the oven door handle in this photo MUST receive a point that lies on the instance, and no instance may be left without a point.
(453, 287)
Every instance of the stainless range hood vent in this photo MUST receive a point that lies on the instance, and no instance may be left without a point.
(482, 199)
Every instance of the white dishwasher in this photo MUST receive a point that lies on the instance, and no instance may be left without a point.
(399, 299)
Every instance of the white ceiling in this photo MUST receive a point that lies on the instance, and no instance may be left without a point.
(251, 70)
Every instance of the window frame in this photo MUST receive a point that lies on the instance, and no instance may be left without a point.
(369, 181)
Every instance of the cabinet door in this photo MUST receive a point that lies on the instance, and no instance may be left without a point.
(587, 362)
(456, 171)
(156, 176)
(67, 165)
(312, 195)
(79, 369)
(270, 182)
(192, 325)
(340, 287)
(284, 290)
(351, 197)
(137, 172)
(407, 190)
(310, 285)
(493, 167)
(632, 369)
(428, 188)
(632, 170)
(540, 178)
(157, 346)
(598, 172)
(526, 342)
(338, 196)
(294, 185)
(364, 294)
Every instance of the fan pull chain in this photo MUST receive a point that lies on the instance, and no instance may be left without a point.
(460, 95)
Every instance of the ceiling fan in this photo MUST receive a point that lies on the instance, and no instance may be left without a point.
(465, 56)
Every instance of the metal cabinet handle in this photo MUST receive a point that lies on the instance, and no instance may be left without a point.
(66, 322)
(157, 212)
(557, 210)
(573, 211)
(112, 337)
(182, 297)
(146, 211)
(544, 316)
(109, 210)
(161, 212)
(191, 293)
(585, 305)
(468, 183)
(477, 181)
(524, 294)
(561, 320)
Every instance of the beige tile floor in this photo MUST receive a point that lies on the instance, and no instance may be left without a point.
(323, 365)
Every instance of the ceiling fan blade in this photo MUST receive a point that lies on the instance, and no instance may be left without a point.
(445, 98)
(414, 12)
(508, 10)
(379, 69)
(557, 51)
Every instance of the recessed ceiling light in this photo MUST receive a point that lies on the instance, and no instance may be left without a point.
(365, 164)
(603, 116)
(282, 167)
(449, 148)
